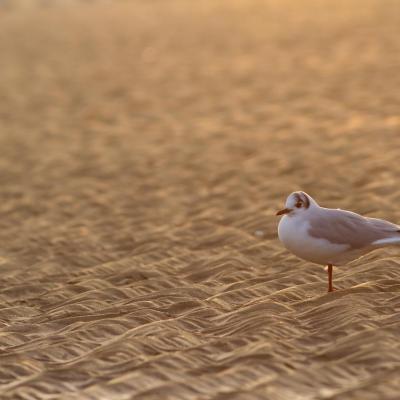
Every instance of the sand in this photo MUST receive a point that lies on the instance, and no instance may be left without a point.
(145, 147)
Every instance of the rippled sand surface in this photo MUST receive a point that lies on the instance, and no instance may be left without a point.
(145, 147)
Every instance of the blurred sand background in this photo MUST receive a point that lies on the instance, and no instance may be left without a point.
(145, 147)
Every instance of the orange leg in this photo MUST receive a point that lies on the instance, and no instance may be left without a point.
(330, 278)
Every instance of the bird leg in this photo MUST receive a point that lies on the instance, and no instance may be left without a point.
(330, 278)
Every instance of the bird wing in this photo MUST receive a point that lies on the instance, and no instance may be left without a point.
(346, 227)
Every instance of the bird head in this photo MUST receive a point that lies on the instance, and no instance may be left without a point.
(296, 203)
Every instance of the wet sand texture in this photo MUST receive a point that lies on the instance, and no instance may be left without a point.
(145, 147)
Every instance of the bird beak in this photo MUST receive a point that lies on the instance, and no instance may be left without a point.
(284, 211)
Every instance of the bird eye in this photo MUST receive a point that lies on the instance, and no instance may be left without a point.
(298, 205)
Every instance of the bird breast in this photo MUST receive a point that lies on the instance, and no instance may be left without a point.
(293, 233)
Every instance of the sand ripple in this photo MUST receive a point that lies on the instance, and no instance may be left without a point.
(145, 148)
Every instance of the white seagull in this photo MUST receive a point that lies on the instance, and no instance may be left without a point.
(331, 236)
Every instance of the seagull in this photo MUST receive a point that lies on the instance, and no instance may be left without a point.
(331, 236)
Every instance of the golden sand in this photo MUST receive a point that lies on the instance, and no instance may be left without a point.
(145, 147)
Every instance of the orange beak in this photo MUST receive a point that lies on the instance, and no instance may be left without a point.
(284, 211)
